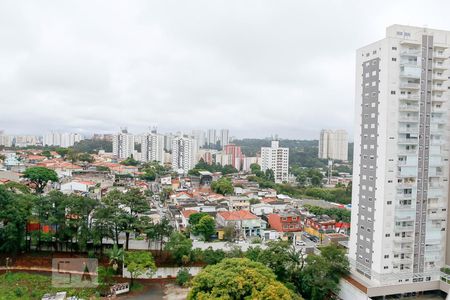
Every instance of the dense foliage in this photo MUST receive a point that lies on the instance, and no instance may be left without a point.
(40, 176)
(92, 146)
(238, 278)
(339, 214)
(223, 186)
(203, 166)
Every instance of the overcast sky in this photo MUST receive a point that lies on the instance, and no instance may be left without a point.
(255, 67)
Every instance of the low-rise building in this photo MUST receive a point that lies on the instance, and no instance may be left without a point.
(246, 223)
(285, 222)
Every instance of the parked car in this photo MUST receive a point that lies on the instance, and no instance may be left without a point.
(300, 243)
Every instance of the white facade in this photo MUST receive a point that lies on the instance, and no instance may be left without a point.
(277, 159)
(5, 140)
(123, 145)
(211, 138)
(333, 144)
(199, 135)
(224, 138)
(25, 140)
(61, 139)
(184, 153)
(400, 169)
(152, 147)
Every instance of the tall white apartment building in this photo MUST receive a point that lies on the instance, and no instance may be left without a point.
(277, 159)
(400, 173)
(211, 137)
(61, 139)
(123, 144)
(5, 140)
(224, 138)
(199, 135)
(184, 153)
(152, 147)
(333, 144)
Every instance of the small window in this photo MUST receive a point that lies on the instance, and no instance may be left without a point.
(394, 48)
(394, 59)
(392, 92)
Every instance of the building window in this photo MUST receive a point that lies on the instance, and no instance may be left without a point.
(394, 59)
(392, 92)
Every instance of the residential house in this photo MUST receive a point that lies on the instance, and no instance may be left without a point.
(285, 222)
(246, 223)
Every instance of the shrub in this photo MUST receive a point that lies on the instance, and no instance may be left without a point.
(183, 277)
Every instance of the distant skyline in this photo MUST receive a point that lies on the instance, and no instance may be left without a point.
(256, 67)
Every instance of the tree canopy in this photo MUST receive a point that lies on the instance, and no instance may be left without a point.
(238, 278)
(40, 176)
(223, 186)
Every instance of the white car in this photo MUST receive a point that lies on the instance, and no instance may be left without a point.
(300, 243)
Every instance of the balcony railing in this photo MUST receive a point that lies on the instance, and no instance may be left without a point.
(409, 107)
(412, 86)
(409, 97)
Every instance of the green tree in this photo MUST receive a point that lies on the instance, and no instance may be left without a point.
(15, 210)
(62, 151)
(116, 256)
(238, 278)
(195, 218)
(46, 153)
(102, 169)
(320, 276)
(223, 186)
(85, 157)
(139, 263)
(40, 176)
(183, 277)
(179, 246)
(130, 161)
(205, 227)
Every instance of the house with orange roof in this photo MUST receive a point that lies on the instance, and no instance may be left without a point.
(246, 223)
(185, 214)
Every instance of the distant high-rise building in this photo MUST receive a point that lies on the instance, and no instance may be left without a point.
(224, 137)
(168, 140)
(276, 158)
(199, 135)
(123, 144)
(5, 140)
(211, 137)
(25, 140)
(184, 152)
(236, 155)
(333, 145)
(152, 147)
(61, 139)
(399, 237)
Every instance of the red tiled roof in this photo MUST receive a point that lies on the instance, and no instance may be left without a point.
(188, 212)
(237, 215)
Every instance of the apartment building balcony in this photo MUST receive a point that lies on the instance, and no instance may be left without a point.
(433, 248)
(402, 260)
(410, 52)
(434, 142)
(409, 97)
(435, 192)
(409, 86)
(441, 77)
(409, 119)
(438, 120)
(402, 249)
(430, 258)
(435, 109)
(408, 140)
(407, 74)
(405, 240)
(439, 88)
(408, 107)
(439, 66)
(407, 152)
(437, 216)
(404, 228)
(411, 131)
(435, 205)
(440, 55)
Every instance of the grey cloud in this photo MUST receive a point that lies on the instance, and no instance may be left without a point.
(256, 67)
